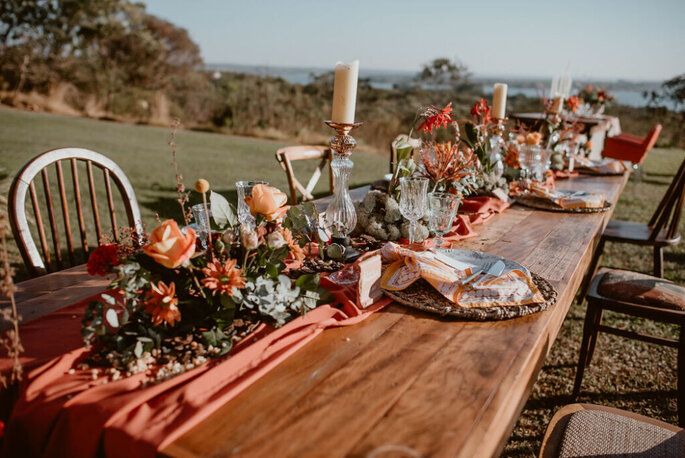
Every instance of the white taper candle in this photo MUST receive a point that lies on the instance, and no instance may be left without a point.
(345, 92)
(499, 100)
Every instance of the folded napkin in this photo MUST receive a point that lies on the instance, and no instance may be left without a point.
(567, 200)
(606, 166)
(407, 266)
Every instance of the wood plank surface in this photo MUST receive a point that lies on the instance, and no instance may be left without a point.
(401, 382)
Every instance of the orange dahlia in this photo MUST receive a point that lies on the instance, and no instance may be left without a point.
(223, 278)
(162, 304)
(295, 249)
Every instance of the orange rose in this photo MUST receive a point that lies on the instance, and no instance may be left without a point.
(533, 138)
(168, 246)
(267, 201)
(520, 139)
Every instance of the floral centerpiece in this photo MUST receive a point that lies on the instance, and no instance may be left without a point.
(173, 305)
(595, 98)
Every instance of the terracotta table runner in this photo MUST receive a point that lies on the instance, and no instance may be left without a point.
(62, 414)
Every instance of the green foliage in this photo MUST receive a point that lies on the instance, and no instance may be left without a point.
(304, 223)
(223, 212)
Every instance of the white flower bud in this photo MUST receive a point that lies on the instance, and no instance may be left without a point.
(249, 239)
(275, 240)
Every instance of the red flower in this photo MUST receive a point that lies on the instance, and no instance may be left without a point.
(572, 103)
(482, 111)
(444, 162)
(434, 117)
(102, 259)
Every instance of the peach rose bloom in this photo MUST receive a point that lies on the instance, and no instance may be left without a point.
(520, 139)
(533, 138)
(267, 201)
(169, 246)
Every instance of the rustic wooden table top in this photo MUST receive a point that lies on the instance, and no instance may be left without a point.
(402, 380)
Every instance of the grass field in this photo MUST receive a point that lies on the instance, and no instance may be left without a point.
(145, 156)
(631, 375)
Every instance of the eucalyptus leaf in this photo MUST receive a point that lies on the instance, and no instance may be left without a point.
(112, 318)
(308, 282)
(107, 298)
(223, 212)
(138, 349)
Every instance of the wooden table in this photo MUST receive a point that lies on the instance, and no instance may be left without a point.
(402, 379)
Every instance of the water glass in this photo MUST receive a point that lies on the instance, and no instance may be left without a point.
(202, 224)
(530, 158)
(244, 189)
(442, 208)
(413, 192)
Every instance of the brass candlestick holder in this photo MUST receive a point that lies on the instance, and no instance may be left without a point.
(341, 217)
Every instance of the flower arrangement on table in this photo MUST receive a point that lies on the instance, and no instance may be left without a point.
(461, 165)
(442, 159)
(173, 305)
(594, 98)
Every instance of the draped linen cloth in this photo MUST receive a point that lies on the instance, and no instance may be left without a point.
(56, 413)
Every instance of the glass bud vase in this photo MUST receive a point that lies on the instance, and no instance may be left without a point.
(341, 216)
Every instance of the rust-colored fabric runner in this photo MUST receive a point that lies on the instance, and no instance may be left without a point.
(62, 414)
(473, 210)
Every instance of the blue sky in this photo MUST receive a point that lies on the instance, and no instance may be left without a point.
(600, 39)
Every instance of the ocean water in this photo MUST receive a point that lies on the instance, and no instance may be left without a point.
(381, 79)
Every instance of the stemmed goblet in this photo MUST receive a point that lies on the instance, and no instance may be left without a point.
(413, 201)
(442, 208)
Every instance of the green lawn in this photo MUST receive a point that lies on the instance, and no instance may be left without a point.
(144, 155)
(631, 375)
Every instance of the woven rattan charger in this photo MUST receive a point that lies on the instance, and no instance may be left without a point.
(421, 295)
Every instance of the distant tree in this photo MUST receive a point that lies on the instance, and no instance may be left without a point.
(675, 89)
(443, 73)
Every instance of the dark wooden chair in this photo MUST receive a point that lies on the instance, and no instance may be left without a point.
(659, 232)
(286, 156)
(637, 295)
(24, 183)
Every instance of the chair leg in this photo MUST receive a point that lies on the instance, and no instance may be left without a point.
(595, 332)
(659, 262)
(591, 270)
(584, 347)
(681, 378)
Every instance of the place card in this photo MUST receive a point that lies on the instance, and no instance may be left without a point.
(369, 286)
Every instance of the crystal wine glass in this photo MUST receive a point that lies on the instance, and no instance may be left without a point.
(442, 208)
(413, 201)
(244, 189)
(202, 225)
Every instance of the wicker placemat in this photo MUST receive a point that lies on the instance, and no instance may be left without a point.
(544, 204)
(421, 295)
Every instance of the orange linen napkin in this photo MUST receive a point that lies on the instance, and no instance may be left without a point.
(55, 413)
(587, 200)
(607, 166)
(407, 266)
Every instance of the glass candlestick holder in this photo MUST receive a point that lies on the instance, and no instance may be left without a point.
(497, 147)
(341, 217)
